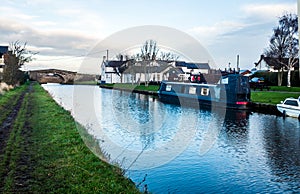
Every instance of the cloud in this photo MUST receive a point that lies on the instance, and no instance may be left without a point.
(13, 13)
(255, 18)
(44, 23)
(268, 11)
(62, 42)
(239, 35)
(86, 21)
(208, 34)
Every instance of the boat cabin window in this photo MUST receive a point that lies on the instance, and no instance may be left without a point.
(224, 80)
(204, 91)
(168, 88)
(291, 102)
(192, 90)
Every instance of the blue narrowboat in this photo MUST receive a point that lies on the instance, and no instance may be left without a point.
(232, 91)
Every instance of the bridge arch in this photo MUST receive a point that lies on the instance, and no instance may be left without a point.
(52, 76)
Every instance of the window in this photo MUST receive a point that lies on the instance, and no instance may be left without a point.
(291, 102)
(204, 91)
(192, 90)
(168, 88)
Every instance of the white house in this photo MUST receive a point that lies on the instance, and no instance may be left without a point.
(146, 71)
(149, 71)
(271, 64)
(111, 71)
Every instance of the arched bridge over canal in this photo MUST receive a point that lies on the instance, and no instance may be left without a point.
(52, 76)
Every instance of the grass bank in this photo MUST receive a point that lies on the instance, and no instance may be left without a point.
(151, 88)
(271, 97)
(85, 83)
(8, 101)
(45, 153)
(275, 95)
(284, 89)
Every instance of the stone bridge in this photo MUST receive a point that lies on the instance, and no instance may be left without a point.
(52, 76)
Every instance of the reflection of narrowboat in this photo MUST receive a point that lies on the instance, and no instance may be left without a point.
(232, 91)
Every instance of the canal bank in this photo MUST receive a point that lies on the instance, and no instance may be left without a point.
(259, 107)
(229, 152)
(42, 149)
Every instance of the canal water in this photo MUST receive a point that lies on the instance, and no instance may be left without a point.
(171, 149)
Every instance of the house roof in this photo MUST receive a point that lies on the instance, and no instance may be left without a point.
(114, 63)
(245, 71)
(176, 70)
(273, 62)
(192, 65)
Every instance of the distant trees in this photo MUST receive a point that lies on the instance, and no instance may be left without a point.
(16, 57)
(150, 52)
(283, 46)
(168, 56)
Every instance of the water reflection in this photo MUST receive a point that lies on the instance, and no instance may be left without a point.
(282, 145)
(186, 150)
(236, 127)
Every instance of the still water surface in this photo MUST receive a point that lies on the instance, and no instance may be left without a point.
(172, 149)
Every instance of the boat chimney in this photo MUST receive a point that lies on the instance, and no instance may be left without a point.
(237, 62)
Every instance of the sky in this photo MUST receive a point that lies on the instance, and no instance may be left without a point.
(65, 32)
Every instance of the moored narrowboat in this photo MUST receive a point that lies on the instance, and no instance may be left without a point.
(232, 91)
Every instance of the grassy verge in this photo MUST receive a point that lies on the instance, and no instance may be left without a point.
(46, 154)
(8, 101)
(14, 148)
(285, 89)
(271, 97)
(85, 83)
(133, 87)
(64, 163)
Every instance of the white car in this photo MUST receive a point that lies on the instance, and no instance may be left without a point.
(290, 107)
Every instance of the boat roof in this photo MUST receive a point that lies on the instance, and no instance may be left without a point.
(189, 84)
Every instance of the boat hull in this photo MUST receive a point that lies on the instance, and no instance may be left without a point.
(289, 111)
(195, 102)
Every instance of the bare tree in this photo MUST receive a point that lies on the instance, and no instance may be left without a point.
(284, 45)
(17, 56)
(168, 56)
(21, 52)
(149, 50)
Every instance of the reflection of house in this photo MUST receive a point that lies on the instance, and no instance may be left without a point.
(150, 71)
(3, 50)
(272, 64)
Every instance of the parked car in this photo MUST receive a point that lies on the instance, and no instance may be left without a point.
(258, 83)
(290, 107)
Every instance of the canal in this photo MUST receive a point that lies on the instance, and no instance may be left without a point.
(171, 149)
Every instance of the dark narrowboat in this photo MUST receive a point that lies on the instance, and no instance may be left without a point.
(232, 91)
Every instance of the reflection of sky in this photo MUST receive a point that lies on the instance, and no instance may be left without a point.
(249, 154)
